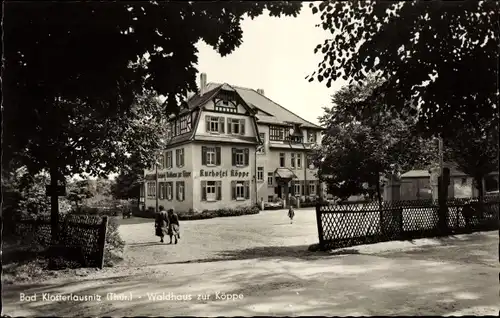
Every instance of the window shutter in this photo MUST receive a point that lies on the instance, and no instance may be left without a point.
(177, 191)
(247, 156)
(218, 190)
(247, 190)
(177, 157)
(203, 191)
(221, 124)
(207, 123)
(242, 126)
(217, 156)
(203, 155)
(233, 156)
(229, 126)
(182, 153)
(233, 190)
(183, 191)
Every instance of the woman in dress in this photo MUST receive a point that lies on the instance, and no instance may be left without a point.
(161, 223)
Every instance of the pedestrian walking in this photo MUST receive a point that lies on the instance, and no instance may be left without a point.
(291, 214)
(173, 228)
(161, 223)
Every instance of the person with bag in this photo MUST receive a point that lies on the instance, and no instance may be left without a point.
(161, 223)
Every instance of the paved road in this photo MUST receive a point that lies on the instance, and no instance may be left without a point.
(264, 261)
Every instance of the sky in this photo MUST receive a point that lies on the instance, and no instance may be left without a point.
(276, 56)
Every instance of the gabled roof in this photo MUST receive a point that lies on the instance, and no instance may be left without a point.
(281, 114)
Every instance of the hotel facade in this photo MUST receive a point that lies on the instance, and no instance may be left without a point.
(231, 147)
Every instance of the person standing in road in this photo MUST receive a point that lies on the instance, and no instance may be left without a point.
(291, 214)
(161, 223)
(173, 228)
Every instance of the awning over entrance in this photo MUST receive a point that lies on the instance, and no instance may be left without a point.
(284, 173)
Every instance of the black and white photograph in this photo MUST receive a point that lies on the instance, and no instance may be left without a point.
(250, 158)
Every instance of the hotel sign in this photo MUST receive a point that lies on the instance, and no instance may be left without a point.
(224, 173)
(163, 175)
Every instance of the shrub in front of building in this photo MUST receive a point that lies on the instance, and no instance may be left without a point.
(205, 214)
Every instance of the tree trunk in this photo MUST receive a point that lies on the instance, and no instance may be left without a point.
(479, 185)
(54, 206)
(379, 193)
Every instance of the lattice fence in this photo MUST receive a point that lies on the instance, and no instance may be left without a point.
(82, 237)
(348, 225)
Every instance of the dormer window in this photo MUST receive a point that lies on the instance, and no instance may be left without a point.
(311, 136)
(225, 102)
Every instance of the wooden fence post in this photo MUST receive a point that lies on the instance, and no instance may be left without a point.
(102, 240)
(320, 225)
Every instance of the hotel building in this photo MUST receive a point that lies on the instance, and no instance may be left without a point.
(230, 147)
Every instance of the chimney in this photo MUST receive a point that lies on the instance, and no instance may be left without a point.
(203, 83)
(260, 91)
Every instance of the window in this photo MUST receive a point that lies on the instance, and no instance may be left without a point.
(296, 189)
(161, 190)
(464, 181)
(211, 191)
(184, 124)
(312, 188)
(299, 160)
(282, 160)
(141, 191)
(240, 157)
(161, 161)
(151, 190)
(180, 194)
(261, 148)
(270, 198)
(215, 124)
(169, 132)
(210, 156)
(177, 127)
(276, 133)
(260, 173)
(168, 160)
(169, 187)
(179, 157)
(292, 160)
(240, 190)
(262, 138)
(236, 126)
(270, 179)
(310, 162)
(311, 136)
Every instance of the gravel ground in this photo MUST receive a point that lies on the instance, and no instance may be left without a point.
(263, 259)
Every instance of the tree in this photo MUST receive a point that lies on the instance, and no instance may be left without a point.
(474, 150)
(358, 149)
(72, 74)
(440, 54)
(127, 184)
(80, 191)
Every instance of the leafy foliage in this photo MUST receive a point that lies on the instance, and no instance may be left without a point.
(450, 46)
(358, 149)
(71, 81)
(80, 191)
(127, 184)
(474, 150)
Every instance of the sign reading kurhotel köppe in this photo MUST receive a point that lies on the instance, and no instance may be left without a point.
(203, 173)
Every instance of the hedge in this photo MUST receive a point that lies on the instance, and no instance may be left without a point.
(205, 214)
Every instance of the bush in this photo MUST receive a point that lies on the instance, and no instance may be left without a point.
(113, 250)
